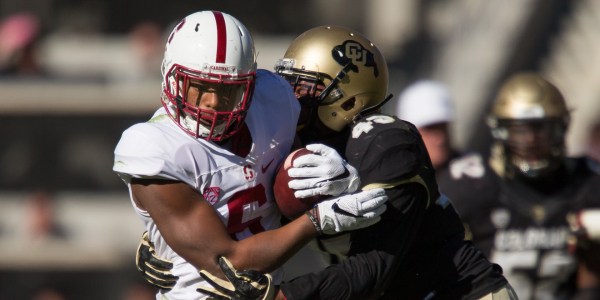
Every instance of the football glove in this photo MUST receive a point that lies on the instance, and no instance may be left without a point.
(155, 270)
(323, 173)
(349, 212)
(240, 285)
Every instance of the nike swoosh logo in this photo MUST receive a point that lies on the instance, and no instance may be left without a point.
(266, 167)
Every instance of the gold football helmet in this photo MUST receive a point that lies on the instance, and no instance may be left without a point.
(529, 120)
(335, 72)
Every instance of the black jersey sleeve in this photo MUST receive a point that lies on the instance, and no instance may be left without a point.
(352, 278)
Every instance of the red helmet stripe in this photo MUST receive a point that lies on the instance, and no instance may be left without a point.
(221, 37)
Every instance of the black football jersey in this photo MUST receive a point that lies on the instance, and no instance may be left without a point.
(521, 226)
(418, 249)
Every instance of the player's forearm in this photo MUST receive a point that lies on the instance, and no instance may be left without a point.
(268, 250)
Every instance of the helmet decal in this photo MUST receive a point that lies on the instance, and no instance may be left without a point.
(352, 53)
(221, 37)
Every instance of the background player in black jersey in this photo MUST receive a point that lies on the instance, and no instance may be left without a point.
(515, 203)
(417, 250)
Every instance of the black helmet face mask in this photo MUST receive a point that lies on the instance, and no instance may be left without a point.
(307, 89)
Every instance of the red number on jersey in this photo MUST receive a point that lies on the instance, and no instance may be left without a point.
(236, 209)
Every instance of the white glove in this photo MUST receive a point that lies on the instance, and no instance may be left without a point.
(349, 212)
(319, 173)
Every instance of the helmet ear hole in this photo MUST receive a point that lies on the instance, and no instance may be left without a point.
(349, 104)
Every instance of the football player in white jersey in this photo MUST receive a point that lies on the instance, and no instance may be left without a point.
(200, 171)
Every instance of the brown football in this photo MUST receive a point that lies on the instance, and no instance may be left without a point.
(290, 206)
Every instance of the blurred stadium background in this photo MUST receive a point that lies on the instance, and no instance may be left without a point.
(66, 224)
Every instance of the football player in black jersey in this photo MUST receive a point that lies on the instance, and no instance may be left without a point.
(417, 250)
(515, 203)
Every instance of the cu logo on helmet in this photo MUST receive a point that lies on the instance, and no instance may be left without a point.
(356, 52)
(351, 54)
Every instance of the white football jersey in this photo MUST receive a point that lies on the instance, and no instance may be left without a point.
(239, 188)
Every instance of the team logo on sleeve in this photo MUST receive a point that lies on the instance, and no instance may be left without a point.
(211, 194)
(351, 53)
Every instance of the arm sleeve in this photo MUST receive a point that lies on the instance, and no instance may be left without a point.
(391, 157)
(349, 279)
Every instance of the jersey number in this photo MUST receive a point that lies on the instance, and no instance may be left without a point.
(367, 125)
(470, 166)
(239, 203)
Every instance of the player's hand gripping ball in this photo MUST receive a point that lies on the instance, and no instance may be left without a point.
(289, 205)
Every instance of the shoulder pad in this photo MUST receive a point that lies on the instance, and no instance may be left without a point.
(384, 149)
(135, 155)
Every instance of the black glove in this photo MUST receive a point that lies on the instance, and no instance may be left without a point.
(242, 285)
(155, 270)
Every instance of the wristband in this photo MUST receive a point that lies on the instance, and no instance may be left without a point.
(314, 220)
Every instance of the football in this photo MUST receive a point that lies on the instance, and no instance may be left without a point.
(290, 206)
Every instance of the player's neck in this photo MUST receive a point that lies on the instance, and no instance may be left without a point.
(240, 144)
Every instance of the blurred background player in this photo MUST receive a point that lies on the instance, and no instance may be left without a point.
(515, 204)
(429, 106)
(417, 250)
(200, 171)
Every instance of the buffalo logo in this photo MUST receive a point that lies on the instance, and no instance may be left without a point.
(351, 54)
(211, 194)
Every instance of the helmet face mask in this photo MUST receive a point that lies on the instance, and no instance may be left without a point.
(529, 121)
(312, 89)
(208, 82)
(533, 146)
(189, 93)
(350, 74)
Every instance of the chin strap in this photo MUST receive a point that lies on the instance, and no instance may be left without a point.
(369, 110)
